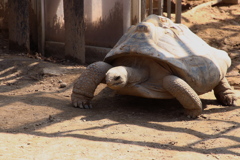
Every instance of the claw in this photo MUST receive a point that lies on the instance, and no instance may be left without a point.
(90, 106)
(230, 101)
(234, 104)
(194, 113)
(86, 106)
(81, 106)
(79, 101)
(75, 104)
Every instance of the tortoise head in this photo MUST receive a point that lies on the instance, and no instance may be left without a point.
(116, 77)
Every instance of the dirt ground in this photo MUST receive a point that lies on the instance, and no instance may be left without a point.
(37, 120)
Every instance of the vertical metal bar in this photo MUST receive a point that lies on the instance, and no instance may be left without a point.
(135, 11)
(42, 10)
(74, 30)
(139, 11)
(127, 15)
(178, 11)
(131, 1)
(160, 7)
(150, 7)
(169, 9)
(143, 9)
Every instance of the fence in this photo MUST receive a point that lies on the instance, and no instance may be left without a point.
(106, 21)
(133, 11)
(178, 9)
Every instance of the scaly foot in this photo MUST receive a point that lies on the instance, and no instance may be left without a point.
(80, 101)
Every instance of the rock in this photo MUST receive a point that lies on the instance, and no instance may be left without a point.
(63, 85)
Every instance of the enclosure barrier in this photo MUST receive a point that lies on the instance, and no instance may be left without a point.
(128, 12)
(178, 9)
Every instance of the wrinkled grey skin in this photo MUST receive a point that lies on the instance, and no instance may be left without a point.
(159, 59)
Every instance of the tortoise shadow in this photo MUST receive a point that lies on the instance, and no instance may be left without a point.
(158, 110)
(123, 110)
(144, 112)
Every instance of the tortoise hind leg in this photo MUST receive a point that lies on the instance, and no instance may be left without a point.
(84, 87)
(184, 94)
(224, 93)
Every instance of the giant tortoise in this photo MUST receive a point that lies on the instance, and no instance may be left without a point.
(159, 59)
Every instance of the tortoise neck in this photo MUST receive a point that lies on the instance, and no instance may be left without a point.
(120, 76)
(136, 75)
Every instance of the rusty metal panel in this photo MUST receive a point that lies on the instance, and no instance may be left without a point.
(3, 14)
(54, 20)
(231, 1)
(104, 22)
(126, 15)
(136, 11)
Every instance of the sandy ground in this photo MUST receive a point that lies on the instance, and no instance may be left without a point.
(37, 120)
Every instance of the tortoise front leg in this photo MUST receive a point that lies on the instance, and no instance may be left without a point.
(224, 93)
(84, 87)
(184, 94)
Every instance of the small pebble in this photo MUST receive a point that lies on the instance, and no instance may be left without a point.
(63, 85)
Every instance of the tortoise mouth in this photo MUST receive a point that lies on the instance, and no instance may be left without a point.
(115, 85)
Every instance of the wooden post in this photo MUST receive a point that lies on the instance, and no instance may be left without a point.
(18, 25)
(74, 30)
(41, 26)
(127, 15)
(178, 11)
(160, 7)
(150, 7)
(231, 1)
(143, 9)
(135, 11)
(139, 11)
(169, 9)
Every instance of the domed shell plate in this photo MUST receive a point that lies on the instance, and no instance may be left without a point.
(187, 55)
